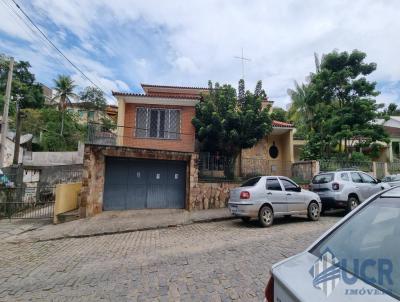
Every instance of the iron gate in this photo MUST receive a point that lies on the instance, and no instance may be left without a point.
(27, 202)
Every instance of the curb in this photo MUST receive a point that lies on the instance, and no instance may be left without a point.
(216, 219)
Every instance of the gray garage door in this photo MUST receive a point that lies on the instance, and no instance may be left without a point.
(144, 184)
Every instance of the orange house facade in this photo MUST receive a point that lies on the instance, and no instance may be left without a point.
(159, 119)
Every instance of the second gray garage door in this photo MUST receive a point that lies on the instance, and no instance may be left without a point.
(144, 184)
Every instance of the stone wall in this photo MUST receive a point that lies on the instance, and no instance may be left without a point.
(211, 195)
(305, 170)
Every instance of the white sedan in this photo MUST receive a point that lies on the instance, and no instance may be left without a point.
(266, 197)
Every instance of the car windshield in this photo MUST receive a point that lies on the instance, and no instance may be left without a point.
(323, 178)
(368, 244)
(251, 182)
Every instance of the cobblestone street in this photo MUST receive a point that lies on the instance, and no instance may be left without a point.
(217, 261)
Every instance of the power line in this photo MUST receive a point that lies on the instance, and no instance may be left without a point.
(32, 33)
(56, 48)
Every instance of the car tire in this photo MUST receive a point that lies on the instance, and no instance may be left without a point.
(352, 203)
(245, 219)
(266, 216)
(313, 211)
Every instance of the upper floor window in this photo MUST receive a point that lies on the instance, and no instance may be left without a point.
(158, 123)
(90, 115)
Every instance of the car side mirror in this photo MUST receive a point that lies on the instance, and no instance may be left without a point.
(298, 189)
(377, 181)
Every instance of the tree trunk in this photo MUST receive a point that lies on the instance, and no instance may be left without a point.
(62, 108)
(229, 170)
(62, 123)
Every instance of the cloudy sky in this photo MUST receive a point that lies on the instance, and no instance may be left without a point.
(122, 43)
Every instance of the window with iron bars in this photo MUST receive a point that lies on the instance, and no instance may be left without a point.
(158, 123)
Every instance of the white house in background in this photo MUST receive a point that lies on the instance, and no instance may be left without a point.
(10, 146)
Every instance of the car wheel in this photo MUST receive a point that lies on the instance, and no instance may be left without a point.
(352, 203)
(266, 216)
(245, 219)
(313, 211)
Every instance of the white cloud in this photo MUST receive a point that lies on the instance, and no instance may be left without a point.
(190, 42)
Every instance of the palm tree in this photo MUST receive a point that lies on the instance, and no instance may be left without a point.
(64, 87)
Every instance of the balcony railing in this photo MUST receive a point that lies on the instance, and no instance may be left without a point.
(99, 134)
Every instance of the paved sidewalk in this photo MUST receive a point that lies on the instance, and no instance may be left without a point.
(111, 222)
(11, 228)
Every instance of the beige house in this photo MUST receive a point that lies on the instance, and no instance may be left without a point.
(92, 115)
(273, 155)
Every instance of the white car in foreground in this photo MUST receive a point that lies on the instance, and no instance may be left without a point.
(266, 197)
(358, 259)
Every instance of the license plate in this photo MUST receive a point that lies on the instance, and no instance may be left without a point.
(234, 210)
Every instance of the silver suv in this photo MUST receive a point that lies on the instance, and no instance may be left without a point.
(345, 189)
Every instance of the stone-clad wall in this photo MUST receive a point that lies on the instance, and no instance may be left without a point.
(211, 195)
(91, 201)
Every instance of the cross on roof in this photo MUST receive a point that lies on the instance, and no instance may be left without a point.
(242, 58)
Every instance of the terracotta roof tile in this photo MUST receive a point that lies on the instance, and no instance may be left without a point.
(281, 124)
(153, 95)
(169, 86)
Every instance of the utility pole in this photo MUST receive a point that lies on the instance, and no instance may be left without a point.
(17, 138)
(4, 126)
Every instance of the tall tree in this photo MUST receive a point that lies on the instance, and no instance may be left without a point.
(342, 105)
(93, 98)
(226, 126)
(64, 87)
(279, 114)
(24, 84)
(241, 91)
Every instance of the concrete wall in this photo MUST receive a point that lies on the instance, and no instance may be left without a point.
(66, 198)
(305, 170)
(54, 158)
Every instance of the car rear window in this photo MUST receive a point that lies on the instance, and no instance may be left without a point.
(352, 246)
(323, 178)
(251, 182)
(391, 178)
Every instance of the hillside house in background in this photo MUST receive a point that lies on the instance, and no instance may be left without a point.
(152, 162)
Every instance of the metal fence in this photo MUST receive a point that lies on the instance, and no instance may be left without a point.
(394, 167)
(34, 199)
(214, 166)
(27, 202)
(334, 165)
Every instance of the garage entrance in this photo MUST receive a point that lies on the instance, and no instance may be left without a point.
(144, 184)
